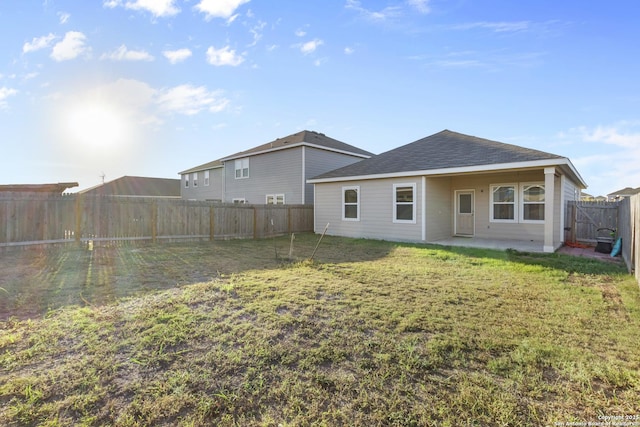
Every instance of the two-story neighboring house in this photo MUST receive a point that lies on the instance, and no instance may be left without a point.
(271, 173)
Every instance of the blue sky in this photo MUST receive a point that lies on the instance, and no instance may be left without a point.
(153, 87)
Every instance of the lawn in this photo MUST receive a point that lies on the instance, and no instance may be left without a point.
(369, 333)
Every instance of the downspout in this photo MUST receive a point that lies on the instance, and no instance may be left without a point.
(562, 208)
(304, 173)
(424, 208)
(224, 182)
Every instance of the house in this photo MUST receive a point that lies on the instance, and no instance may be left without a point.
(585, 197)
(11, 190)
(450, 184)
(621, 194)
(271, 173)
(137, 186)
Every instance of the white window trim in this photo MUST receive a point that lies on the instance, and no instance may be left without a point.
(194, 178)
(240, 200)
(342, 206)
(395, 203)
(186, 180)
(521, 193)
(206, 178)
(275, 198)
(516, 192)
(242, 167)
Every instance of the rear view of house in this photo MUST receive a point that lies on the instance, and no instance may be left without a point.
(450, 184)
(271, 173)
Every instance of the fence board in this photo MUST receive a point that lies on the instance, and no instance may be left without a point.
(69, 218)
(585, 218)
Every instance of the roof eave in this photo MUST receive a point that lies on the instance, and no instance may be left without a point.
(462, 170)
(200, 168)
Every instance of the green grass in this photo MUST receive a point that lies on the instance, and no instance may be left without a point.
(370, 333)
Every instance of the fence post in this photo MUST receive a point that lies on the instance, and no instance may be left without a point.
(212, 223)
(154, 221)
(255, 223)
(78, 230)
(289, 219)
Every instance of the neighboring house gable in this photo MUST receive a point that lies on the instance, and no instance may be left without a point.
(621, 194)
(450, 184)
(203, 182)
(275, 172)
(137, 186)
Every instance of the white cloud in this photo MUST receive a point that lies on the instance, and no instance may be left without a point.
(124, 54)
(111, 4)
(421, 6)
(63, 17)
(72, 46)
(175, 56)
(375, 16)
(310, 46)
(498, 27)
(621, 135)
(300, 33)
(223, 56)
(5, 93)
(190, 100)
(608, 157)
(158, 8)
(38, 43)
(219, 8)
(256, 31)
(348, 50)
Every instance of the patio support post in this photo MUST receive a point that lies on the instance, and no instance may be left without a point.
(549, 198)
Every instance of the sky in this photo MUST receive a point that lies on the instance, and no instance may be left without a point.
(99, 89)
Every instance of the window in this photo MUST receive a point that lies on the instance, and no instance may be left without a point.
(351, 203)
(465, 202)
(404, 206)
(239, 201)
(194, 177)
(242, 168)
(275, 199)
(186, 180)
(503, 203)
(206, 178)
(532, 202)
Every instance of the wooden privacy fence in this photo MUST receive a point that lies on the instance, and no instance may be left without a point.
(583, 219)
(629, 230)
(75, 218)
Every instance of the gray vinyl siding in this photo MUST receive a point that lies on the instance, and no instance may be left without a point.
(278, 172)
(319, 161)
(203, 192)
(376, 210)
(571, 191)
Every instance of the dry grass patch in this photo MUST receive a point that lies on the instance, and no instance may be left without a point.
(371, 333)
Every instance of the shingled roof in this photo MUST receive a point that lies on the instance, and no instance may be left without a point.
(306, 137)
(443, 150)
(137, 186)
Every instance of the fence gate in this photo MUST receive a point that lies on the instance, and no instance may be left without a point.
(583, 219)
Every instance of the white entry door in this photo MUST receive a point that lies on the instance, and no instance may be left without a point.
(464, 216)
